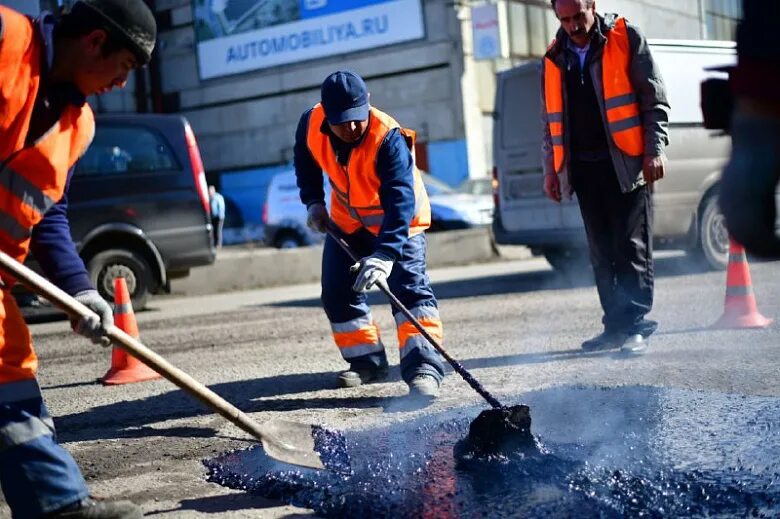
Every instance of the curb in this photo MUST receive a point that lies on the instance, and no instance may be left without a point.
(242, 269)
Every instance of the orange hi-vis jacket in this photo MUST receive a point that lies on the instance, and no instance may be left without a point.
(355, 202)
(32, 178)
(620, 100)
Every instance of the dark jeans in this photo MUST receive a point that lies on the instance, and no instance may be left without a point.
(37, 475)
(216, 224)
(408, 281)
(619, 230)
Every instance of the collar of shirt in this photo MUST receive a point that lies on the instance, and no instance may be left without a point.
(581, 52)
(58, 93)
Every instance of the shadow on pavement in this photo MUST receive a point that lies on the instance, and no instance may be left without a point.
(519, 282)
(224, 503)
(131, 418)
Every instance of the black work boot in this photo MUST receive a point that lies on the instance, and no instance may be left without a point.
(607, 340)
(359, 375)
(91, 508)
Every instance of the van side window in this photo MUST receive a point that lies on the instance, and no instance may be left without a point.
(126, 149)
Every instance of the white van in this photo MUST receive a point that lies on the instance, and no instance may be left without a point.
(284, 216)
(686, 211)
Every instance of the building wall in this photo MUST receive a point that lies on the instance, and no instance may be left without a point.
(432, 85)
(246, 123)
(249, 120)
(30, 7)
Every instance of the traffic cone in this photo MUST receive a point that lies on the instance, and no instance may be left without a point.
(741, 310)
(125, 368)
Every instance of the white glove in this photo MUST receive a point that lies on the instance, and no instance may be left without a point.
(317, 217)
(94, 327)
(371, 270)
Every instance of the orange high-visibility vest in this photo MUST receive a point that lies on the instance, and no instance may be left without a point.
(354, 198)
(620, 100)
(32, 178)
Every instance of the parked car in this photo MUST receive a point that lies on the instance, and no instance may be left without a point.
(686, 209)
(469, 205)
(138, 204)
(284, 215)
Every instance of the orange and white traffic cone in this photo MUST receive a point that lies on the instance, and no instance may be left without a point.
(741, 310)
(125, 369)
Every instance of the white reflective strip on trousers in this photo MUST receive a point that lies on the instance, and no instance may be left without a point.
(361, 349)
(18, 433)
(359, 323)
(412, 343)
(419, 312)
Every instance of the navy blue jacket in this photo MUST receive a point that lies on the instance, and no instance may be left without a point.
(51, 243)
(394, 166)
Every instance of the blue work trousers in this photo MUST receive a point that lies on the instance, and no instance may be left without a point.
(408, 281)
(37, 475)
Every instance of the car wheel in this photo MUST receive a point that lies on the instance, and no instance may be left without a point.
(713, 235)
(288, 240)
(108, 265)
(567, 260)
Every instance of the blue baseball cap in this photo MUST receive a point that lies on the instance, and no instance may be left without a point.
(344, 97)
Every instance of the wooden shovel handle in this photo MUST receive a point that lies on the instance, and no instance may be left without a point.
(131, 345)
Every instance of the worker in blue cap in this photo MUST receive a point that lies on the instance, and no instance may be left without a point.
(379, 205)
(48, 67)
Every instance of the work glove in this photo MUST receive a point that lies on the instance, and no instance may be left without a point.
(371, 270)
(94, 327)
(317, 217)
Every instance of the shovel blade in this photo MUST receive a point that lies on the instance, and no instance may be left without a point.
(305, 445)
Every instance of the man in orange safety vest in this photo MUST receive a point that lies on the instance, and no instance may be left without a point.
(605, 127)
(48, 66)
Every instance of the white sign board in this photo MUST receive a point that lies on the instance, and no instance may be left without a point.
(229, 41)
(486, 28)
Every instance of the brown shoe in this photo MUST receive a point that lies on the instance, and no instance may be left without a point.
(91, 508)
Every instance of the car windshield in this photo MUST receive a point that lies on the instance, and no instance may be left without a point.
(476, 186)
(434, 186)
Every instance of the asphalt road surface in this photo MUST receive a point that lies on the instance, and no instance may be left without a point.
(516, 324)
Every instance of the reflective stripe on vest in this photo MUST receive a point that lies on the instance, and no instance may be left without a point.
(620, 100)
(355, 199)
(553, 96)
(357, 337)
(33, 178)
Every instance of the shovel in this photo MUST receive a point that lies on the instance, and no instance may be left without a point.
(295, 443)
(494, 427)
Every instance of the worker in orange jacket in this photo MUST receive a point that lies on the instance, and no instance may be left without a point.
(605, 128)
(378, 202)
(48, 66)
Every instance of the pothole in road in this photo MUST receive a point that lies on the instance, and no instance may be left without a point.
(609, 452)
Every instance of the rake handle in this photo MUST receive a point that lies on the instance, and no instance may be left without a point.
(133, 346)
(457, 366)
